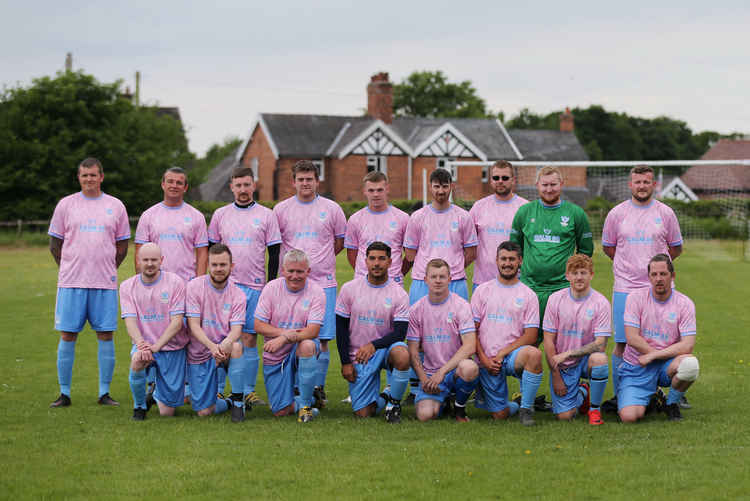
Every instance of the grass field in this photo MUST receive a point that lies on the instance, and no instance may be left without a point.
(86, 451)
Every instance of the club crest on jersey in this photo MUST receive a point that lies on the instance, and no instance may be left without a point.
(533, 220)
(187, 220)
(256, 222)
(564, 220)
(547, 231)
(589, 313)
(657, 221)
(672, 317)
(454, 225)
(450, 317)
(518, 302)
(108, 211)
(322, 215)
(305, 304)
(227, 306)
(388, 302)
(164, 297)
(392, 225)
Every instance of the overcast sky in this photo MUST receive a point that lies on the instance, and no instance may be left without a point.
(222, 65)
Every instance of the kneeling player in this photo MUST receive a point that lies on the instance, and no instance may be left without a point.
(506, 314)
(372, 315)
(153, 306)
(576, 328)
(215, 308)
(660, 329)
(441, 322)
(289, 314)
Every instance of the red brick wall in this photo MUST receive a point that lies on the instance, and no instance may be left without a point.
(572, 176)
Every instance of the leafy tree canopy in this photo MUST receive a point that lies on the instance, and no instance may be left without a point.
(429, 94)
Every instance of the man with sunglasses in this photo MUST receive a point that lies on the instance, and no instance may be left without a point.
(493, 217)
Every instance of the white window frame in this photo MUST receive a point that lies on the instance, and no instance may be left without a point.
(254, 167)
(377, 163)
(485, 174)
(441, 162)
(321, 169)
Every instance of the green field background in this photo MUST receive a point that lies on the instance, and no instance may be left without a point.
(86, 451)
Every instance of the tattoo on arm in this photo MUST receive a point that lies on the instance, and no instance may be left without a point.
(586, 350)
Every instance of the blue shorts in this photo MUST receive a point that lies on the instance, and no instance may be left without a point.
(365, 390)
(492, 392)
(618, 315)
(637, 384)
(251, 301)
(419, 289)
(328, 329)
(203, 384)
(280, 380)
(571, 377)
(74, 306)
(170, 376)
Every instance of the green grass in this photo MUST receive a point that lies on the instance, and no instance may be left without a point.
(86, 451)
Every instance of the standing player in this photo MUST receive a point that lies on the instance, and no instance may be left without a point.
(247, 228)
(378, 222)
(89, 234)
(372, 315)
(317, 226)
(549, 231)
(289, 314)
(215, 308)
(660, 328)
(493, 218)
(576, 328)
(633, 232)
(506, 315)
(178, 228)
(442, 325)
(153, 306)
(439, 230)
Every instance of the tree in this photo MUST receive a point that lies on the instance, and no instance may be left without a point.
(49, 127)
(214, 155)
(429, 94)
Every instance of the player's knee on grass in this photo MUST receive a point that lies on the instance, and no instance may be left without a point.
(500, 415)
(467, 370)
(567, 415)
(399, 358)
(289, 409)
(632, 413)
(367, 411)
(306, 348)
(597, 358)
(208, 411)
(165, 410)
(427, 409)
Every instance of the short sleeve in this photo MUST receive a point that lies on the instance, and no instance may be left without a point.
(200, 231)
(465, 318)
(273, 234)
(478, 305)
(339, 222)
(632, 315)
(127, 305)
(688, 325)
(401, 308)
(609, 231)
(122, 231)
(237, 316)
(317, 308)
(413, 231)
(551, 315)
(193, 299)
(674, 236)
(264, 308)
(343, 302)
(414, 332)
(603, 319)
(468, 231)
(143, 229)
(214, 227)
(57, 227)
(177, 301)
(351, 241)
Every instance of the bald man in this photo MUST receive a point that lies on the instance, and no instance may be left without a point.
(153, 306)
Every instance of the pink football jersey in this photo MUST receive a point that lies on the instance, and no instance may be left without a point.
(247, 232)
(661, 324)
(312, 227)
(503, 312)
(366, 227)
(576, 321)
(638, 233)
(153, 306)
(439, 327)
(440, 234)
(89, 228)
(218, 310)
(371, 310)
(493, 219)
(285, 309)
(178, 231)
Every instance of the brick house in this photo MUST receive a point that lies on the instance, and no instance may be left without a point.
(347, 147)
(719, 181)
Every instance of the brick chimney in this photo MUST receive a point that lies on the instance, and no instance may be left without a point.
(566, 121)
(380, 98)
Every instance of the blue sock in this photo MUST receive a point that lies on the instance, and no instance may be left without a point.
(66, 355)
(221, 406)
(237, 375)
(597, 383)
(138, 388)
(151, 374)
(221, 377)
(464, 390)
(513, 408)
(674, 396)
(581, 395)
(307, 373)
(529, 385)
(106, 356)
(399, 382)
(388, 379)
(380, 403)
(322, 368)
(616, 361)
(252, 361)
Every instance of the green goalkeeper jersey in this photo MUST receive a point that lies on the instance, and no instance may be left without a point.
(549, 236)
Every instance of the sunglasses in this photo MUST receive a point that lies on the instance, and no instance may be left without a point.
(498, 178)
